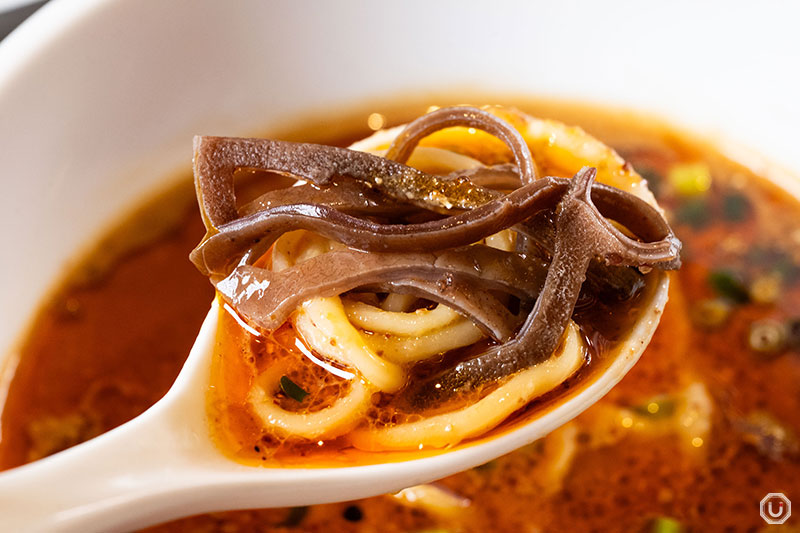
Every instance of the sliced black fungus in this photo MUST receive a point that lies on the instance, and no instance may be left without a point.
(730, 285)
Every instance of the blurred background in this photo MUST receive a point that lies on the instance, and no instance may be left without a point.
(13, 12)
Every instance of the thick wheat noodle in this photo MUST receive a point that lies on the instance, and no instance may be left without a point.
(411, 349)
(400, 323)
(332, 421)
(450, 428)
(323, 325)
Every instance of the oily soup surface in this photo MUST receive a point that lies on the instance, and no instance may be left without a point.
(699, 431)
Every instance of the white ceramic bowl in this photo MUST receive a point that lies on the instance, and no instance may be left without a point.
(99, 99)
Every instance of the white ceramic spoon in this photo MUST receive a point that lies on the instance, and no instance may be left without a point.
(163, 464)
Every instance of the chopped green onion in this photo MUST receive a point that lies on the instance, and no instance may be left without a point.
(694, 212)
(690, 179)
(767, 337)
(710, 313)
(735, 207)
(295, 516)
(664, 524)
(729, 285)
(292, 389)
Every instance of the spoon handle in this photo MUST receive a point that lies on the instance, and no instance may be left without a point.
(100, 485)
(142, 472)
